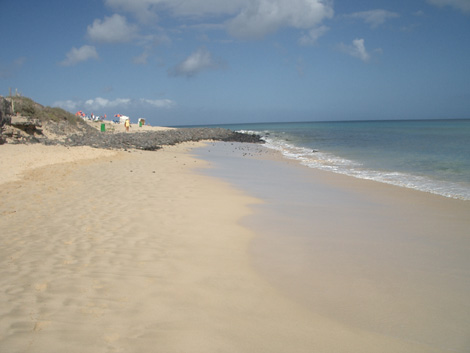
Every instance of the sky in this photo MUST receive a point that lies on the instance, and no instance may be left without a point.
(198, 62)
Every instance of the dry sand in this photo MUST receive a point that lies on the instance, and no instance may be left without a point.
(135, 252)
(15, 160)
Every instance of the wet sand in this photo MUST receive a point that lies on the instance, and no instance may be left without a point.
(370, 256)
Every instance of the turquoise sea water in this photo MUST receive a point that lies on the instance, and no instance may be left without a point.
(431, 155)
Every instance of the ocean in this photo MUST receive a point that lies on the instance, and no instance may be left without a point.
(427, 155)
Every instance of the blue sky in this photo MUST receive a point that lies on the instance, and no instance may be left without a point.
(190, 62)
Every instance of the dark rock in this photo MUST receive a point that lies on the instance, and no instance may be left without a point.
(5, 111)
(152, 141)
(28, 125)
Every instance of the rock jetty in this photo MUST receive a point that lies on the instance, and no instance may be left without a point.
(25, 121)
(154, 140)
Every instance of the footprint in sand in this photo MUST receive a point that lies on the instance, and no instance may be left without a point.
(94, 310)
(41, 325)
(40, 287)
(111, 337)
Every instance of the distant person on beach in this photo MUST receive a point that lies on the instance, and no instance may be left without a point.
(127, 125)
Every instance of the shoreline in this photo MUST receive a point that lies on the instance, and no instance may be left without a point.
(426, 156)
(385, 259)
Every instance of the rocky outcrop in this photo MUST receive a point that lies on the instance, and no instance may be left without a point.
(5, 116)
(22, 129)
(151, 141)
(5, 111)
(16, 128)
(25, 121)
(28, 125)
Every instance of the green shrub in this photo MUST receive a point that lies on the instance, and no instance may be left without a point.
(27, 107)
(59, 114)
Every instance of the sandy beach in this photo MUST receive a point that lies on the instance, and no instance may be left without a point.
(139, 251)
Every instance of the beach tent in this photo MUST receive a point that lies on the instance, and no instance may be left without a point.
(122, 118)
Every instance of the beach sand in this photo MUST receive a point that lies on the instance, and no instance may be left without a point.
(137, 252)
(15, 160)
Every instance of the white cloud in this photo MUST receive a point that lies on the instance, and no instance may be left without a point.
(74, 56)
(100, 104)
(357, 49)
(313, 35)
(205, 7)
(463, 5)
(374, 18)
(114, 29)
(262, 17)
(147, 10)
(198, 61)
(159, 103)
(67, 105)
(148, 43)
(140, 8)
(248, 19)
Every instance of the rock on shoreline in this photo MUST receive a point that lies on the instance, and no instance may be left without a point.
(154, 140)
